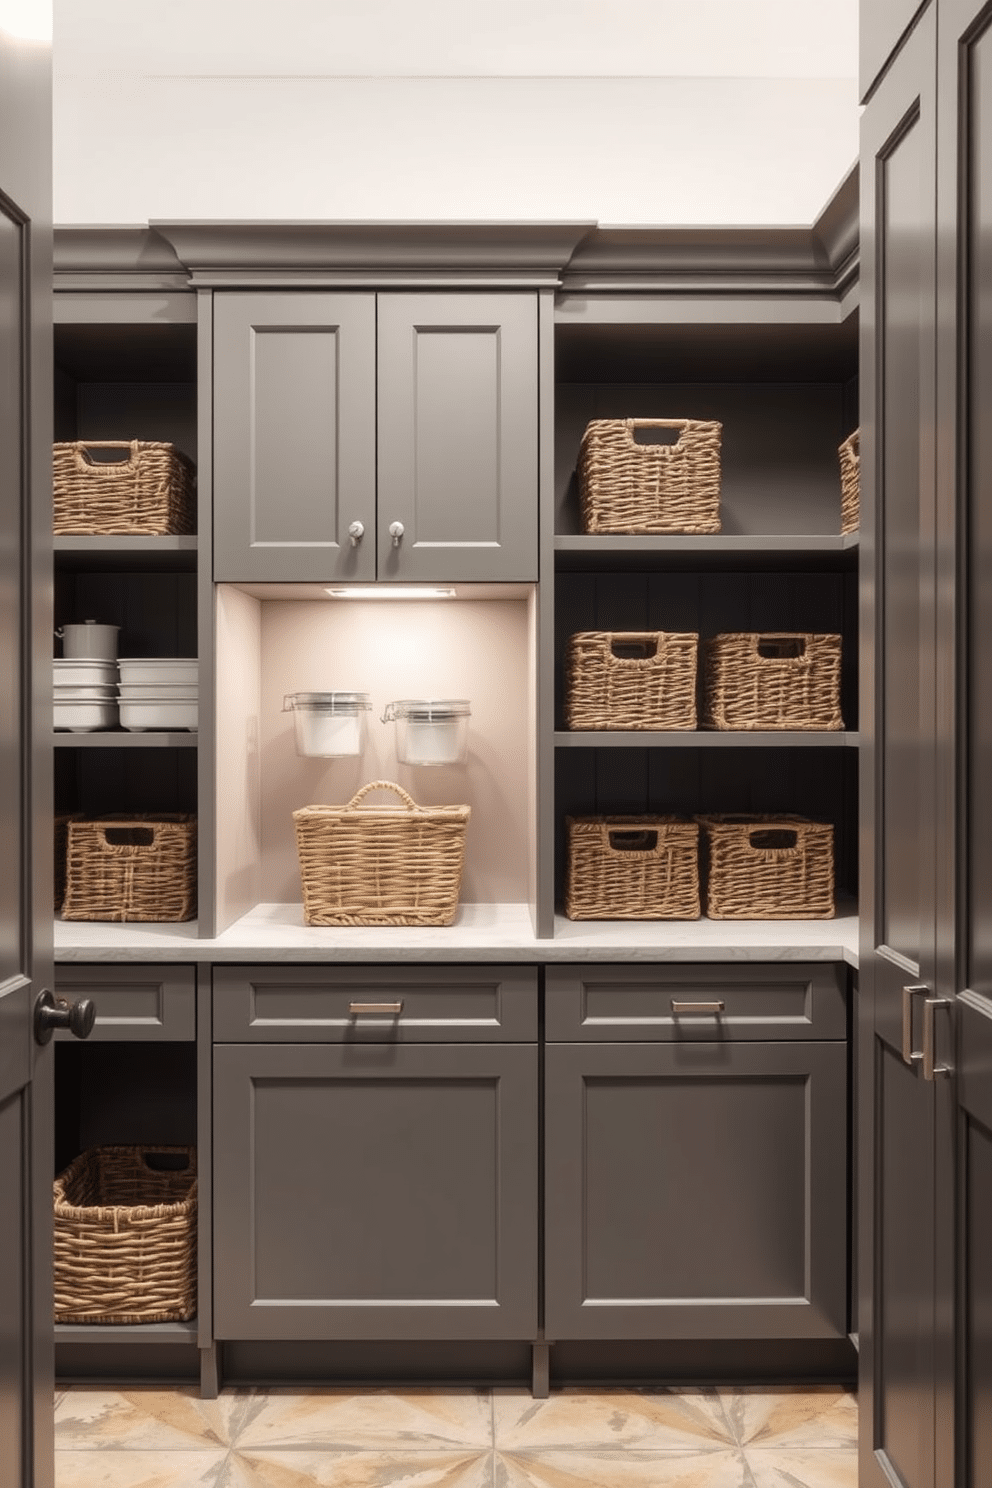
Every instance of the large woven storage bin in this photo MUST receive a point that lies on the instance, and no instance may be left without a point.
(381, 865)
(775, 680)
(131, 868)
(625, 486)
(631, 680)
(61, 839)
(125, 1236)
(849, 455)
(768, 868)
(151, 492)
(632, 868)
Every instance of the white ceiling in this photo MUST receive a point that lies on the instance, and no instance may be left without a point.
(458, 38)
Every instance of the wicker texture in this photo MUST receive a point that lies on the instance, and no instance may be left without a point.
(625, 486)
(768, 868)
(61, 824)
(850, 483)
(776, 680)
(381, 865)
(632, 868)
(125, 1237)
(631, 680)
(151, 492)
(131, 868)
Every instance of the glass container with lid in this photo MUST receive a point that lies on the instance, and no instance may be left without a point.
(430, 731)
(328, 725)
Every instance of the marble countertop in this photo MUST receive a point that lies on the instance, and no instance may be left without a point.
(482, 932)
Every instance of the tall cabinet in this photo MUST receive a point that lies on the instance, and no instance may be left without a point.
(925, 1005)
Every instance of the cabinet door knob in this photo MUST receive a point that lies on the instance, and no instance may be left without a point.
(54, 1012)
(356, 532)
(396, 532)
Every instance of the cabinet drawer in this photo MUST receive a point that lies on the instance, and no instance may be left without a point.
(134, 1003)
(697, 1003)
(363, 1004)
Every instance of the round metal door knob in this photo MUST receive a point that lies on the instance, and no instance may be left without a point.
(55, 1012)
(356, 532)
(396, 531)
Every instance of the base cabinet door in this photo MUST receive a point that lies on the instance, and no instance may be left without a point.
(375, 1191)
(696, 1191)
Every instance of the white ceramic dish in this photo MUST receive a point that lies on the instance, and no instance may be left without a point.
(85, 718)
(159, 669)
(83, 692)
(69, 673)
(89, 640)
(172, 692)
(157, 713)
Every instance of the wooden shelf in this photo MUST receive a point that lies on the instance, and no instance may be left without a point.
(706, 739)
(129, 553)
(124, 739)
(773, 550)
(114, 1333)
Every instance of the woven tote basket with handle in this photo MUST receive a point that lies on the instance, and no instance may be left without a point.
(381, 865)
(632, 868)
(125, 1236)
(150, 492)
(773, 680)
(849, 455)
(131, 868)
(626, 486)
(768, 868)
(631, 680)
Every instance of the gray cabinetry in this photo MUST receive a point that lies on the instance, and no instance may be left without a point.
(361, 436)
(134, 1003)
(367, 1186)
(695, 1176)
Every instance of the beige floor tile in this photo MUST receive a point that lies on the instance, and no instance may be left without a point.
(404, 1420)
(802, 1467)
(145, 1419)
(811, 1417)
(129, 1469)
(655, 1420)
(315, 1469)
(621, 1469)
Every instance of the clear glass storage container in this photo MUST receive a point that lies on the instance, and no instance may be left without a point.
(430, 731)
(328, 725)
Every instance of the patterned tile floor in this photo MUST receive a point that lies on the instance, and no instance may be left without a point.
(456, 1438)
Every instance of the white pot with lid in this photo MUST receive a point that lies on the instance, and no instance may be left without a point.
(89, 641)
(430, 731)
(329, 725)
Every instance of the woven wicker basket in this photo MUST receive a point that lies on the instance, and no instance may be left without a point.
(125, 1236)
(778, 680)
(381, 865)
(632, 868)
(850, 483)
(61, 825)
(768, 868)
(629, 487)
(151, 492)
(631, 680)
(131, 868)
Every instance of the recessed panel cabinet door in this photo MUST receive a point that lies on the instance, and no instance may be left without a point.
(375, 1191)
(458, 436)
(294, 436)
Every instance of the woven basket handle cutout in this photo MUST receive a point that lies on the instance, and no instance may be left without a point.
(633, 841)
(782, 648)
(663, 431)
(633, 648)
(84, 462)
(374, 785)
(774, 839)
(166, 1162)
(132, 837)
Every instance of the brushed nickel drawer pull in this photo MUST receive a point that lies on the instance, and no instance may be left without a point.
(698, 1007)
(392, 1008)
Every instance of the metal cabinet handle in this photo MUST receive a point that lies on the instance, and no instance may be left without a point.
(917, 989)
(356, 532)
(54, 1012)
(698, 1007)
(392, 1008)
(930, 1069)
(396, 530)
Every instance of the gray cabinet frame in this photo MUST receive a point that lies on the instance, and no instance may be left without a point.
(134, 1003)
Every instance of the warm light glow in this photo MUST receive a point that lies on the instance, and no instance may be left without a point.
(31, 20)
(391, 591)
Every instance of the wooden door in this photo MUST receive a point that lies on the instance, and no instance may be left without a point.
(458, 437)
(294, 436)
(26, 1336)
(906, 1154)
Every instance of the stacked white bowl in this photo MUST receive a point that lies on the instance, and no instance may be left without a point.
(85, 691)
(158, 692)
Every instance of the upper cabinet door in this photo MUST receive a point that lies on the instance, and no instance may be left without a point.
(457, 437)
(294, 436)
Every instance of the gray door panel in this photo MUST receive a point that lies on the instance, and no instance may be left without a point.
(375, 1191)
(294, 436)
(696, 1191)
